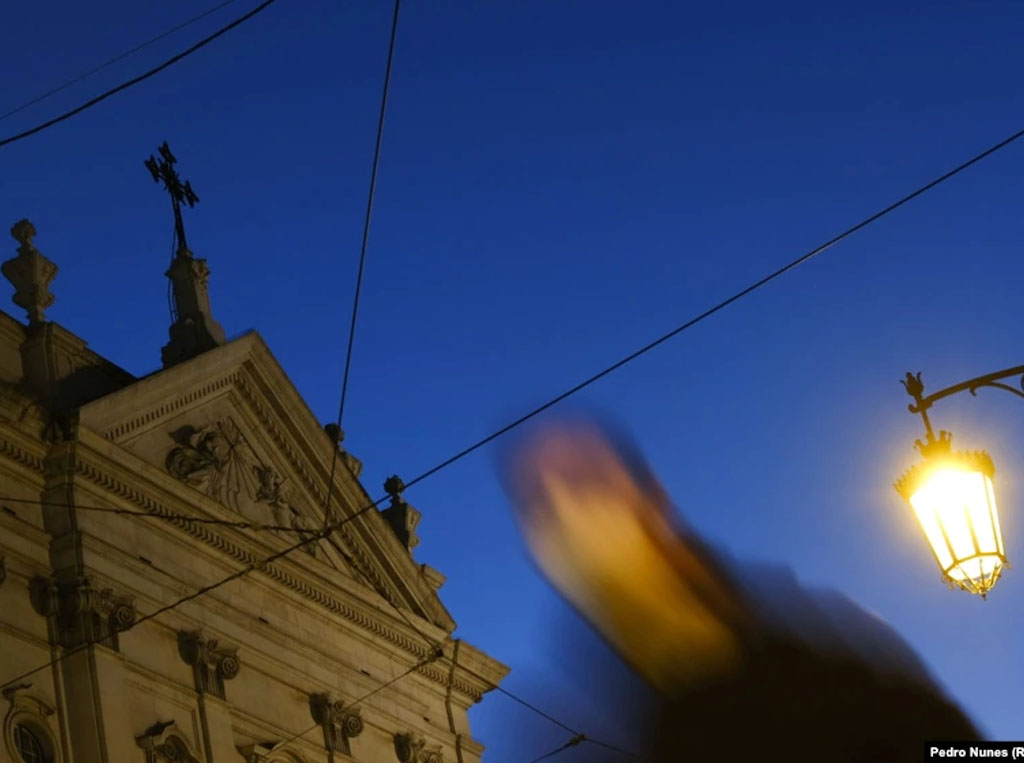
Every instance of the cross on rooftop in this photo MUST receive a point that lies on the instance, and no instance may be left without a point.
(163, 170)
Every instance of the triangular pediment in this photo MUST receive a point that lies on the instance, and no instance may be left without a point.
(229, 426)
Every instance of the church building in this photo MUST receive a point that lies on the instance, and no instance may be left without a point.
(190, 567)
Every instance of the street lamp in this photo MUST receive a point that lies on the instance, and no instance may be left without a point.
(952, 494)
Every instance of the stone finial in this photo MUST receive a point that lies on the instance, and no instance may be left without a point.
(335, 433)
(337, 436)
(401, 516)
(30, 273)
(394, 487)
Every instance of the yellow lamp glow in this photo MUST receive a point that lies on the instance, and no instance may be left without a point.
(954, 501)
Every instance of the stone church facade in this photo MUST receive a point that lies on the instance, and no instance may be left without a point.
(215, 463)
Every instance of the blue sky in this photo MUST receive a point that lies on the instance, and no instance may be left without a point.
(561, 182)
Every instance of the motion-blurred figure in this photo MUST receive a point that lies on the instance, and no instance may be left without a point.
(741, 670)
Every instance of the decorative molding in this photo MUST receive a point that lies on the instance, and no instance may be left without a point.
(219, 461)
(164, 742)
(22, 456)
(84, 612)
(213, 538)
(28, 705)
(137, 421)
(339, 725)
(267, 752)
(211, 664)
(412, 748)
(241, 380)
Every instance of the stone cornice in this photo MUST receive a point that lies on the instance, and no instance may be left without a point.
(241, 550)
(250, 370)
(267, 390)
(21, 449)
(12, 328)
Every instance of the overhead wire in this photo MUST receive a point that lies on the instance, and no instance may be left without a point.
(575, 741)
(362, 252)
(169, 516)
(438, 652)
(361, 699)
(140, 78)
(480, 443)
(119, 57)
(369, 211)
(577, 737)
(355, 566)
(716, 308)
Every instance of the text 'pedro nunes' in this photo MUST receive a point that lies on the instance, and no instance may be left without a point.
(984, 751)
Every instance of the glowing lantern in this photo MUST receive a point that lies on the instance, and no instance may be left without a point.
(952, 496)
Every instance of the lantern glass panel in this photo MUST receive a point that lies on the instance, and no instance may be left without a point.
(956, 508)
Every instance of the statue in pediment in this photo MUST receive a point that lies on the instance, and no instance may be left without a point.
(200, 454)
(218, 461)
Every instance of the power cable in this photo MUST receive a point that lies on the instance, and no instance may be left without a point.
(575, 741)
(717, 308)
(437, 653)
(259, 565)
(369, 211)
(116, 59)
(480, 443)
(135, 80)
(362, 254)
(171, 517)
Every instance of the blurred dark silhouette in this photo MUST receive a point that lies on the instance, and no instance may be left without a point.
(741, 664)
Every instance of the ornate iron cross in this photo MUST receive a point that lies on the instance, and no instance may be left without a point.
(163, 170)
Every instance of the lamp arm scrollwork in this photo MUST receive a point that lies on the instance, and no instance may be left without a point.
(921, 404)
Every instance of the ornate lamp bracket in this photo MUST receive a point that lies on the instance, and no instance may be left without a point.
(921, 404)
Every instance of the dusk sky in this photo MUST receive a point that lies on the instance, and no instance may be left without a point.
(561, 182)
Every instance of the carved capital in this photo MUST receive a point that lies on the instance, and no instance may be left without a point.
(211, 664)
(83, 612)
(338, 723)
(412, 748)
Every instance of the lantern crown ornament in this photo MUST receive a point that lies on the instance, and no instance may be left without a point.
(953, 499)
